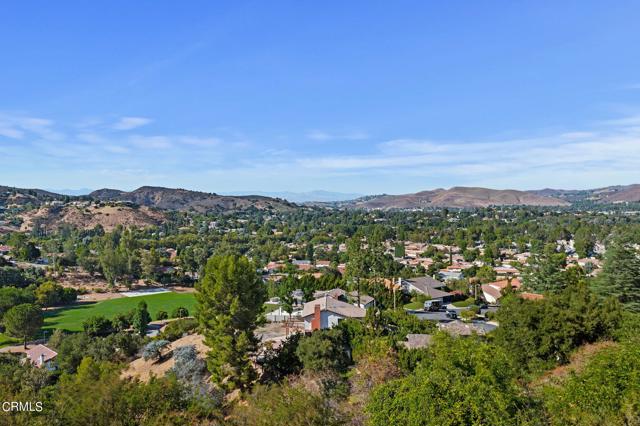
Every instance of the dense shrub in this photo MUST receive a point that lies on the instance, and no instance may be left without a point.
(153, 350)
(180, 312)
(97, 326)
(178, 328)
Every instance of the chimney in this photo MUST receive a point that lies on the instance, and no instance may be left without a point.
(315, 322)
(41, 360)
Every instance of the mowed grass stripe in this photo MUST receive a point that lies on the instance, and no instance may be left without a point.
(71, 318)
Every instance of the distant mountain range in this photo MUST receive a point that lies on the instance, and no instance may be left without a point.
(469, 197)
(456, 197)
(305, 197)
(74, 192)
(185, 200)
(609, 194)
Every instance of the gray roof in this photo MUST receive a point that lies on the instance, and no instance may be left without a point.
(459, 328)
(333, 305)
(429, 286)
(336, 293)
(417, 341)
(364, 299)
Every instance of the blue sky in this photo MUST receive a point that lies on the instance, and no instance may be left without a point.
(365, 97)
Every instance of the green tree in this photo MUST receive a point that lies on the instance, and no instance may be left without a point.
(605, 392)
(399, 250)
(150, 263)
(180, 312)
(141, 318)
(620, 275)
(584, 241)
(97, 326)
(230, 297)
(462, 382)
(544, 332)
(324, 350)
(52, 294)
(12, 296)
(23, 321)
(546, 271)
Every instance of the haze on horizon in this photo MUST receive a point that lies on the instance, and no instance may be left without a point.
(353, 98)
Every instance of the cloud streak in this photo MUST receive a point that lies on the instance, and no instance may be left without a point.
(130, 123)
(319, 135)
(604, 153)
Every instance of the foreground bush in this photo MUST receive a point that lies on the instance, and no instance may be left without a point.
(178, 328)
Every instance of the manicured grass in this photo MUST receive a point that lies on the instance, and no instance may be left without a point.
(71, 318)
(6, 340)
(464, 303)
(414, 306)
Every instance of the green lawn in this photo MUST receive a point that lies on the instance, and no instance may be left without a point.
(268, 307)
(464, 303)
(414, 306)
(6, 340)
(71, 318)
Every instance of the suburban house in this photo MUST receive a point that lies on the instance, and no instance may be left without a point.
(506, 270)
(428, 286)
(450, 274)
(280, 315)
(327, 312)
(366, 301)
(336, 293)
(493, 291)
(42, 357)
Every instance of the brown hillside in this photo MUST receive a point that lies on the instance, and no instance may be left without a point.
(88, 217)
(460, 197)
(185, 200)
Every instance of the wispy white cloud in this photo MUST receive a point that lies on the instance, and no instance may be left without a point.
(151, 142)
(198, 141)
(11, 132)
(612, 146)
(130, 123)
(17, 126)
(602, 153)
(319, 135)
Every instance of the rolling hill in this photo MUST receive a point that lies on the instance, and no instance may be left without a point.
(88, 217)
(609, 194)
(185, 200)
(456, 197)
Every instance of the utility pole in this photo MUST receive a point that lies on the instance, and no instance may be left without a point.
(393, 288)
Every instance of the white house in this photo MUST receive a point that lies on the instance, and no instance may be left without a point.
(280, 314)
(327, 312)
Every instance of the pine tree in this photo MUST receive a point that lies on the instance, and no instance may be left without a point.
(620, 276)
(230, 298)
(141, 318)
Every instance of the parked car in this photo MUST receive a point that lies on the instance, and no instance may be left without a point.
(433, 305)
(452, 314)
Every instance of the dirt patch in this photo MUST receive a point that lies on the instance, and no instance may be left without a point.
(144, 370)
(579, 359)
